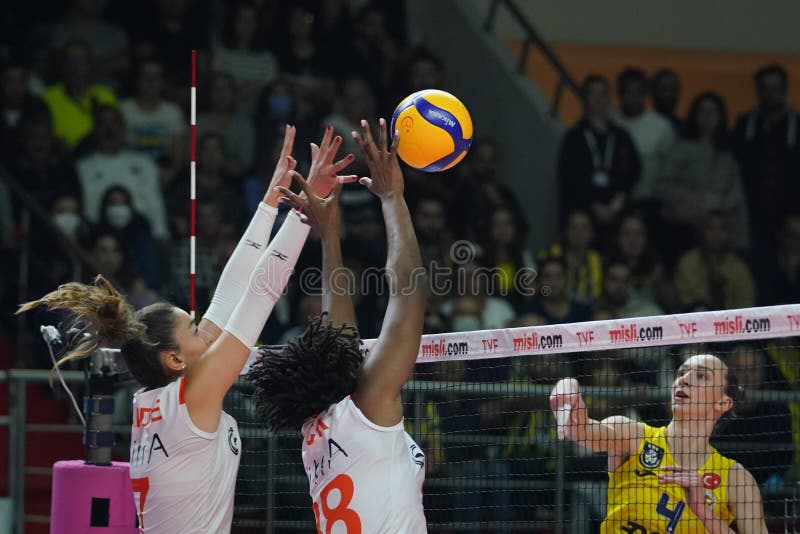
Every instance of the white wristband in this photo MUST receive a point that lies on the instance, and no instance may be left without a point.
(233, 281)
(268, 280)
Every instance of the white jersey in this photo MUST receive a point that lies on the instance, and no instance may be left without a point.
(363, 477)
(183, 478)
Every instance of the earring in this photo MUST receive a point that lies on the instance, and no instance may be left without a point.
(183, 366)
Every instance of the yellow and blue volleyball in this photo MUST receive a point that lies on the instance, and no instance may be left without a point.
(435, 130)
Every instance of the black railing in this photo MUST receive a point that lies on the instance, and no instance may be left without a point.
(534, 40)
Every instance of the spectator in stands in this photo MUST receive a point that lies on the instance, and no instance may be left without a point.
(584, 264)
(110, 44)
(759, 434)
(212, 182)
(120, 218)
(619, 298)
(666, 94)
(113, 164)
(424, 70)
(16, 103)
(778, 275)
(54, 265)
(768, 150)
(167, 30)
(598, 164)
(699, 175)
(651, 133)
(478, 190)
(474, 304)
(242, 53)
(221, 116)
(553, 302)
(38, 166)
(374, 52)
(713, 272)
(634, 247)
(430, 224)
(505, 252)
(115, 264)
(156, 126)
(213, 228)
(356, 100)
(307, 66)
(74, 99)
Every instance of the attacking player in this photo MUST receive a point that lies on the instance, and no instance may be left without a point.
(669, 479)
(185, 450)
(365, 473)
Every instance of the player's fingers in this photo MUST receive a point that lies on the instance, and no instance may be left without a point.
(395, 142)
(333, 149)
(298, 178)
(382, 135)
(292, 163)
(347, 179)
(369, 141)
(342, 163)
(288, 140)
(366, 182)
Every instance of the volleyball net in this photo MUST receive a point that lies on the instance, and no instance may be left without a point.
(478, 405)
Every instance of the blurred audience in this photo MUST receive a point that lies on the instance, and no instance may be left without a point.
(241, 52)
(221, 117)
(584, 263)
(713, 272)
(652, 134)
(666, 89)
(83, 22)
(768, 150)
(598, 164)
(155, 126)
(111, 163)
(16, 104)
(700, 175)
(74, 99)
(778, 274)
(634, 247)
(619, 299)
(506, 254)
(553, 301)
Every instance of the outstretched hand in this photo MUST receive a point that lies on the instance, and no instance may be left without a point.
(386, 176)
(323, 174)
(285, 165)
(322, 214)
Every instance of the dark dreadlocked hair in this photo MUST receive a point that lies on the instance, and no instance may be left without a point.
(312, 371)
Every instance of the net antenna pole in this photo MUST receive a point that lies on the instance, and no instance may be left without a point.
(192, 184)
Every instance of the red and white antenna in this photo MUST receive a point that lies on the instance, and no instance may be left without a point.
(192, 185)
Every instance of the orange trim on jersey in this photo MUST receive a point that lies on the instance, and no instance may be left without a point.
(181, 388)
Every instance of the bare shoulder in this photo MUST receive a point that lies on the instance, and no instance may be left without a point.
(627, 433)
(740, 481)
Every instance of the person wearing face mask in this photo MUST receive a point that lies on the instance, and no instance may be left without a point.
(119, 218)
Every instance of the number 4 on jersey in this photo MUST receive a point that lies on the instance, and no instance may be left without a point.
(674, 515)
(340, 512)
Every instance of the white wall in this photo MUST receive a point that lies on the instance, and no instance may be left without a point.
(726, 25)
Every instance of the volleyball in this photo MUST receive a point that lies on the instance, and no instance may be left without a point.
(435, 130)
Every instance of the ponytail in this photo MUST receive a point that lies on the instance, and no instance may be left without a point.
(103, 311)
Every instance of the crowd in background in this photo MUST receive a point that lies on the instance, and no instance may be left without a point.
(659, 213)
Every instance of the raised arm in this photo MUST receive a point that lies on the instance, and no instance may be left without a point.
(233, 281)
(392, 358)
(744, 497)
(210, 379)
(616, 435)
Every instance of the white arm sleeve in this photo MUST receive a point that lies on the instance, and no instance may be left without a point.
(233, 281)
(267, 281)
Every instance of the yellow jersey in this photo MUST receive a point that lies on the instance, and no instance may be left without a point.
(638, 504)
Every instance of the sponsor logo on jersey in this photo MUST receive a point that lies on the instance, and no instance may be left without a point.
(645, 473)
(251, 243)
(233, 440)
(651, 455)
(279, 255)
